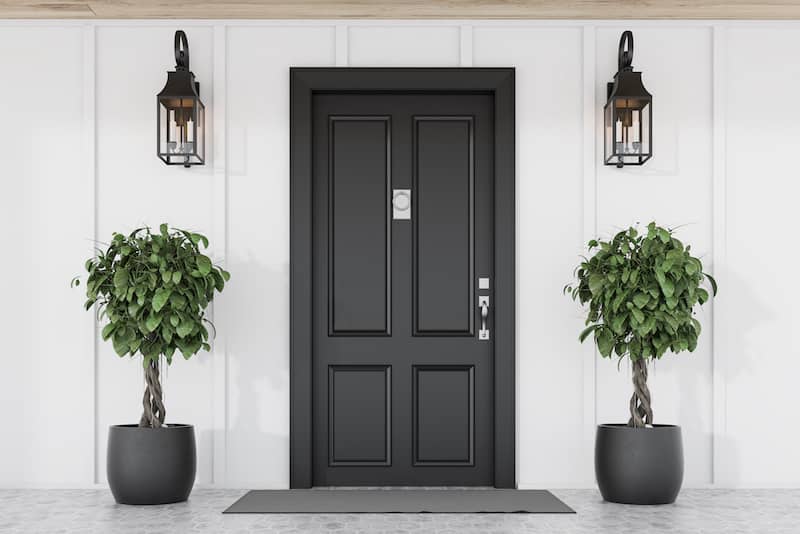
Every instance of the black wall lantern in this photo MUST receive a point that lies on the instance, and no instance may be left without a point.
(628, 112)
(181, 113)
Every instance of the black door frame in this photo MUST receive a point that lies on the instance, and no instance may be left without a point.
(304, 83)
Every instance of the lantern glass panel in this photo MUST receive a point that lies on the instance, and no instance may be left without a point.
(628, 131)
(181, 130)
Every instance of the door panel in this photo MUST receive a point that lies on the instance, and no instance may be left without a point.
(358, 224)
(403, 387)
(359, 414)
(444, 393)
(443, 225)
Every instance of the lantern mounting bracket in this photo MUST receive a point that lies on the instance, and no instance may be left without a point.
(181, 51)
(624, 56)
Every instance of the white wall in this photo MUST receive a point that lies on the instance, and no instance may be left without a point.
(76, 109)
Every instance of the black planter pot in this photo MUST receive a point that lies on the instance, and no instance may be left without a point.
(151, 465)
(639, 465)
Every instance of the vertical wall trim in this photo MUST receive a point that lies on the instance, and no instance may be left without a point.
(90, 171)
(342, 46)
(590, 215)
(221, 244)
(719, 247)
(465, 33)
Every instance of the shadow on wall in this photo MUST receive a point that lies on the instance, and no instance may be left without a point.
(741, 339)
(257, 330)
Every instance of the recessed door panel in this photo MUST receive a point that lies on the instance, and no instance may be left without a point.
(443, 225)
(359, 181)
(359, 418)
(444, 415)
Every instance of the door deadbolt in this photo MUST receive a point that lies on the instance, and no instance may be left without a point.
(401, 204)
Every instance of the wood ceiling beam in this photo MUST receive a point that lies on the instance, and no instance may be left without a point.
(401, 9)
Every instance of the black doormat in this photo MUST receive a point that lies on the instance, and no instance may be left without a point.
(387, 501)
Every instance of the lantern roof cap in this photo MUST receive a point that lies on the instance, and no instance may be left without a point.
(180, 83)
(628, 84)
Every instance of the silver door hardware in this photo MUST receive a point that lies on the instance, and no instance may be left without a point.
(483, 282)
(401, 204)
(483, 304)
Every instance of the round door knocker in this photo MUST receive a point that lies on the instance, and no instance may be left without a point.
(401, 204)
(402, 200)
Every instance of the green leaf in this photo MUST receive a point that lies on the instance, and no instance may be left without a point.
(120, 346)
(697, 327)
(176, 277)
(219, 283)
(185, 328)
(596, 283)
(198, 238)
(160, 299)
(702, 295)
(663, 235)
(713, 283)
(587, 331)
(121, 278)
(107, 331)
(641, 299)
(605, 342)
(153, 321)
(618, 323)
(177, 301)
(203, 264)
(667, 287)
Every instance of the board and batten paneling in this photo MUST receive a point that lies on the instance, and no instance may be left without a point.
(47, 215)
(256, 310)
(759, 305)
(549, 118)
(674, 189)
(403, 46)
(89, 103)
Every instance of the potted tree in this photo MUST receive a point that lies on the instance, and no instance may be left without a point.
(153, 289)
(641, 292)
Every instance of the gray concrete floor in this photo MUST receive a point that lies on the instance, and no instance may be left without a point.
(696, 511)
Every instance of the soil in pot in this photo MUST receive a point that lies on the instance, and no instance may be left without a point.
(151, 465)
(639, 465)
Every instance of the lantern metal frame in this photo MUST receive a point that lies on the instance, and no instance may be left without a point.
(180, 98)
(627, 89)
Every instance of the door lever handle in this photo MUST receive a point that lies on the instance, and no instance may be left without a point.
(483, 304)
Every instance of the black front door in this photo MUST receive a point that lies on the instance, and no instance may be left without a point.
(402, 298)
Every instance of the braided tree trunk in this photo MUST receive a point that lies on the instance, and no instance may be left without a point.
(153, 414)
(641, 411)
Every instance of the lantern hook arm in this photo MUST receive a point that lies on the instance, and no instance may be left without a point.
(625, 56)
(181, 51)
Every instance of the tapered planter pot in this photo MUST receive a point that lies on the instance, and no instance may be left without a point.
(151, 465)
(639, 465)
